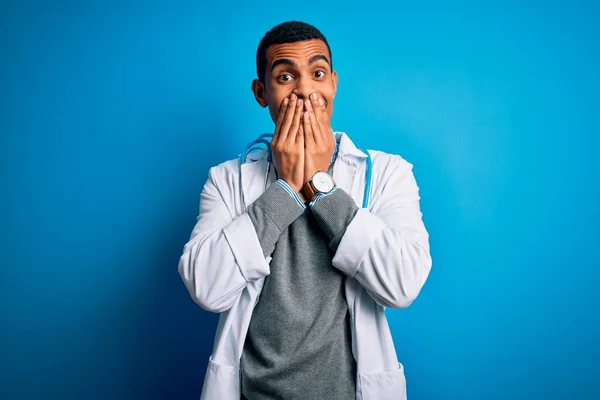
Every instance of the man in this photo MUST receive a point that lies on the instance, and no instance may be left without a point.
(300, 274)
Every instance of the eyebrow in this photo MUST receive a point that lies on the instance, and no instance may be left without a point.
(289, 62)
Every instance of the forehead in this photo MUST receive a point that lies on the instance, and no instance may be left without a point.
(300, 52)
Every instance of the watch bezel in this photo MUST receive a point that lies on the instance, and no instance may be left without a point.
(317, 183)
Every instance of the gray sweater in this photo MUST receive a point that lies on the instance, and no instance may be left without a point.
(299, 340)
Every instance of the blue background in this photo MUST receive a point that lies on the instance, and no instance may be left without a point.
(112, 113)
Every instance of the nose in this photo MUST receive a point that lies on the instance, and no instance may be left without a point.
(304, 87)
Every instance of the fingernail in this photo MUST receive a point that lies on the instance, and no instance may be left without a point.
(306, 114)
(308, 105)
(299, 103)
(293, 97)
(321, 101)
(285, 101)
(313, 96)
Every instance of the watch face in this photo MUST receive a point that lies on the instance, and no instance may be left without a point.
(322, 182)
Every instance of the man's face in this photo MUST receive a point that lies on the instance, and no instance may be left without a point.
(302, 68)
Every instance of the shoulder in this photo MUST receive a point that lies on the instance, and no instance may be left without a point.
(389, 164)
(392, 178)
(224, 171)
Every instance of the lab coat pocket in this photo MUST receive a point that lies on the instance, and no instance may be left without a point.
(221, 382)
(387, 385)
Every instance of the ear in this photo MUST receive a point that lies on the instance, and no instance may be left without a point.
(334, 79)
(258, 88)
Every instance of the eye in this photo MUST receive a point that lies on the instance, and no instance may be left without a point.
(285, 77)
(319, 74)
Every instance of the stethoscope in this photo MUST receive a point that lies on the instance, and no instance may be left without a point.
(261, 140)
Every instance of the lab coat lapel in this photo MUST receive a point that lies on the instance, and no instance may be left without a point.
(347, 164)
(253, 179)
(344, 172)
(250, 177)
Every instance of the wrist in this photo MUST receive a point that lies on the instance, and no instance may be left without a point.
(319, 183)
(292, 186)
(302, 197)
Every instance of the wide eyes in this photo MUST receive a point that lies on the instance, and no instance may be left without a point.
(287, 77)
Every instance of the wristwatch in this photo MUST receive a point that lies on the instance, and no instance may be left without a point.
(321, 182)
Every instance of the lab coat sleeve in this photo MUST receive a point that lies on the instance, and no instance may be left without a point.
(223, 254)
(387, 250)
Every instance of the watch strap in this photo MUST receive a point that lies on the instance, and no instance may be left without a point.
(309, 191)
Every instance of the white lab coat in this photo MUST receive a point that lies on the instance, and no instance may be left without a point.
(384, 253)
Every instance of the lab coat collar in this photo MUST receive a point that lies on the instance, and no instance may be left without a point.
(253, 177)
(347, 147)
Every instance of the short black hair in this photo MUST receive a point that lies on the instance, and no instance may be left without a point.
(286, 32)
